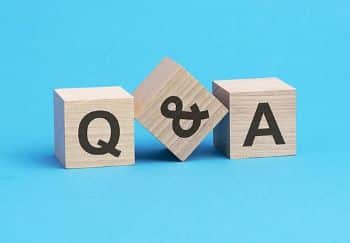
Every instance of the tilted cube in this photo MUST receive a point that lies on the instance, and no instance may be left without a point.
(261, 120)
(94, 127)
(176, 108)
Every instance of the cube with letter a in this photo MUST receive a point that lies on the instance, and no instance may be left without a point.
(176, 108)
(261, 120)
(94, 127)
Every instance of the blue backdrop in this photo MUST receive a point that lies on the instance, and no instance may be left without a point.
(54, 44)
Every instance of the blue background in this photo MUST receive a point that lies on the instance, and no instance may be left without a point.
(54, 44)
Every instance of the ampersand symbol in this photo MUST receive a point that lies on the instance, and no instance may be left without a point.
(195, 115)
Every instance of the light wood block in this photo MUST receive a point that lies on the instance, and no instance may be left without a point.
(249, 98)
(85, 116)
(169, 79)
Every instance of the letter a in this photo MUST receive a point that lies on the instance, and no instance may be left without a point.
(273, 130)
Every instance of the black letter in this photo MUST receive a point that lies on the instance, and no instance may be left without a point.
(263, 109)
(105, 147)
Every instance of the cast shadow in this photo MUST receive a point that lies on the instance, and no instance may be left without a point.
(206, 151)
(43, 157)
(147, 154)
(47, 160)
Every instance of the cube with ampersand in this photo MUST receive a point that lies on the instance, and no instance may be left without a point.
(176, 108)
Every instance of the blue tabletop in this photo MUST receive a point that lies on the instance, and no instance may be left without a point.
(209, 198)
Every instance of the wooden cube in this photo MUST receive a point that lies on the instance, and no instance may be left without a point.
(176, 108)
(261, 120)
(94, 127)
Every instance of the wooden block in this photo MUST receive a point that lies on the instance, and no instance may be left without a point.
(94, 127)
(261, 120)
(176, 108)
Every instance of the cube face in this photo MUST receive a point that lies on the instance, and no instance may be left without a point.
(261, 121)
(179, 111)
(97, 126)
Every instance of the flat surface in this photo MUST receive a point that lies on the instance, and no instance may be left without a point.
(52, 44)
(92, 93)
(253, 85)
